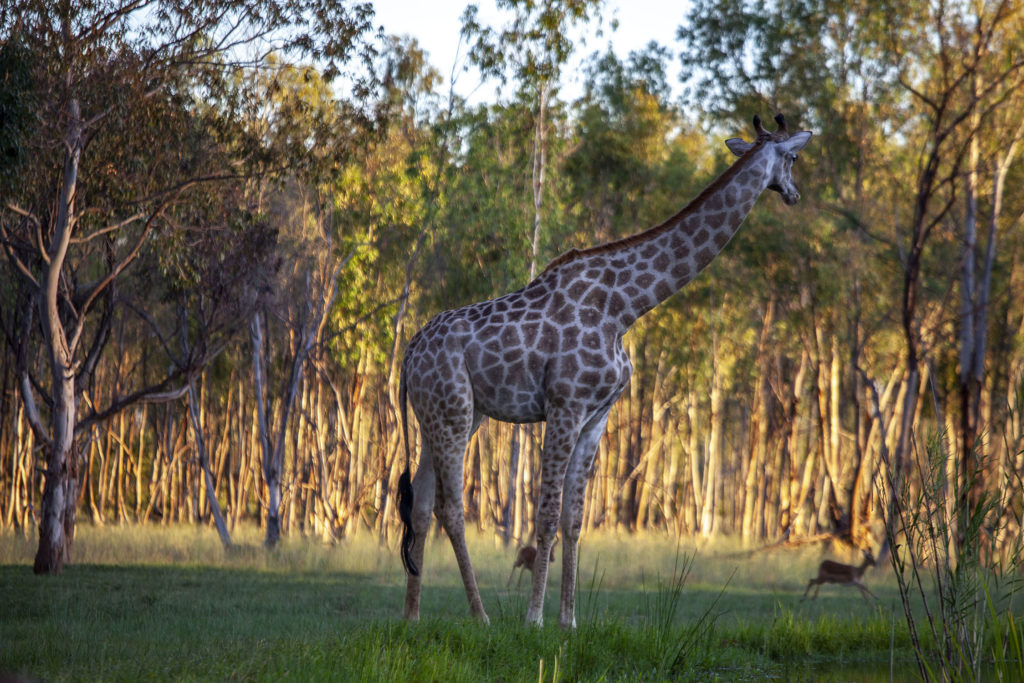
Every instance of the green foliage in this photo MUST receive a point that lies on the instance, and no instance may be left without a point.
(534, 46)
(625, 148)
(487, 223)
(17, 101)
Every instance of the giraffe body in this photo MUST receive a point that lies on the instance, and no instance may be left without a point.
(552, 351)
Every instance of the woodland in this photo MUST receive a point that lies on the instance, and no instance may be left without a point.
(221, 223)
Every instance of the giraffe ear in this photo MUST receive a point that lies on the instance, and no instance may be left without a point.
(738, 146)
(796, 141)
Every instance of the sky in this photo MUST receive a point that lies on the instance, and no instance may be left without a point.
(435, 24)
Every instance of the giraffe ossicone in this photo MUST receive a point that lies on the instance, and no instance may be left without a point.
(552, 351)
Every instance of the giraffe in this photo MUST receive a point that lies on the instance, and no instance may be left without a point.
(552, 351)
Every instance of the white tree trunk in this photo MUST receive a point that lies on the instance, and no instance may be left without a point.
(56, 528)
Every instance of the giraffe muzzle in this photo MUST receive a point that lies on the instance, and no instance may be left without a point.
(790, 195)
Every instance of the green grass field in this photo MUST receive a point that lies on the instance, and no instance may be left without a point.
(154, 603)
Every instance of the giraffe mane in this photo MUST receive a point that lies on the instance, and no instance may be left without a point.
(651, 233)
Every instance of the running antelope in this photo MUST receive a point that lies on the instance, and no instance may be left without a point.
(843, 575)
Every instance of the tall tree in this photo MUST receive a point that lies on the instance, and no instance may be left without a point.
(952, 61)
(115, 88)
(531, 51)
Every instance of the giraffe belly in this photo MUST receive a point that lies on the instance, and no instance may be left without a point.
(519, 402)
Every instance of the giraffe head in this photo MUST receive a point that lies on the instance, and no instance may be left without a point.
(780, 150)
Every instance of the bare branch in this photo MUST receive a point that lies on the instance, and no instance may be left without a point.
(14, 258)
(108, 229)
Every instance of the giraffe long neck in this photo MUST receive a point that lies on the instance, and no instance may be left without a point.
(674, 253)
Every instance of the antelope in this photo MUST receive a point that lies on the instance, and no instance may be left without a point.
(843, 575)
(525, 558)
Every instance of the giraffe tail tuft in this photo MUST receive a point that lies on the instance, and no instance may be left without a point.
(405, 490)
(405, 513)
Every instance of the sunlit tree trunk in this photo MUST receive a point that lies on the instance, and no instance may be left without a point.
(696, 457)
(271, 460)
(753, 500)
(710, 517)
(789, 445)
(831, 510)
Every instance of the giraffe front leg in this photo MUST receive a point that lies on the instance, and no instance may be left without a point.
(559, 441)
(572, 522)
(547, 528)
(573, 496)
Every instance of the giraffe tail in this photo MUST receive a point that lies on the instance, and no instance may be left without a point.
(405, 488)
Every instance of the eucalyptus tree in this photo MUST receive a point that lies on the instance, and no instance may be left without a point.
(307, 134)
(627, 169)
(531, 51)
(118, 140)
(912, 100)
(818, 62)
(960, 69)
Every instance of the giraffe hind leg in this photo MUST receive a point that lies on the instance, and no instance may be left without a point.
(449, 438)
(454, 522)
(423, 489)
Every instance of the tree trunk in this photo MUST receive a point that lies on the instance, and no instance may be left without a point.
(974, 305)
(710, 517)
(750, 528)
(971, 317)
(539, 169)
(788, 472)
(271, 461)
(204, 464)
(513, 509)
(693, 512)
(60, 492)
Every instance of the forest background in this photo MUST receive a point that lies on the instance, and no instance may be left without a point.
(221, 222)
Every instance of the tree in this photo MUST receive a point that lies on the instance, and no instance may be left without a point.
(120, 134)
(310, 134)
(532, 49)
(954, 63)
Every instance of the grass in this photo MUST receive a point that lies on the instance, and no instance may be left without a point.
(170, 604)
